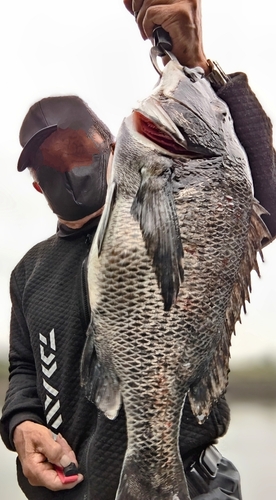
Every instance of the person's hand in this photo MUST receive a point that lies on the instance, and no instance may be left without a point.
(181, 19)
(38, 451)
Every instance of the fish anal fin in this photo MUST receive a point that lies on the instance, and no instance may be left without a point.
(213, 385)
(101, 385)
(154, 209)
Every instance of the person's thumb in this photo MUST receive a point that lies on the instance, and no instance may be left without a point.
(67, 450)
(53, 451)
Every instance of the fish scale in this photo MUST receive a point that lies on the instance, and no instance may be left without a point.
(168, 273)
(132, 353)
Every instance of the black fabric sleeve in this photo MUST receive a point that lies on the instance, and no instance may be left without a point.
(22, 402)
(254, 131)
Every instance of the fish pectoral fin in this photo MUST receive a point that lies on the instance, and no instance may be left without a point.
(109, 203)
(100, 384)
(154, 209)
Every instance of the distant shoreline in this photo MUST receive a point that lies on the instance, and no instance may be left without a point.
(256, 384)
(253, 384)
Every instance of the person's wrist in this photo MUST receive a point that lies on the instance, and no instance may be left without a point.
(20, 429)
(23, 428)
(20, 417)
(216, 75)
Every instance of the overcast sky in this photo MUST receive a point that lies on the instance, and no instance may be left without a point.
(93, 49)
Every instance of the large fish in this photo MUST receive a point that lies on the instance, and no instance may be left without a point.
(168, 273)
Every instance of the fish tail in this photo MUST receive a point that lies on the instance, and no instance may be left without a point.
(136, 484)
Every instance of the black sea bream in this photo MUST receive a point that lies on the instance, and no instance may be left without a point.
(168, 273)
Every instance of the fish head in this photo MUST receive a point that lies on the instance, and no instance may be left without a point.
(182, 118)
(184, 115)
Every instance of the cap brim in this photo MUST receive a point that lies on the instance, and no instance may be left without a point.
(32, 145)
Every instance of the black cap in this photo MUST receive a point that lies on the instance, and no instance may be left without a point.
(45, 116)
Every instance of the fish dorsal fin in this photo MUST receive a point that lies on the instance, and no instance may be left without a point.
(214, 383)
(154, 209)
(242, 286)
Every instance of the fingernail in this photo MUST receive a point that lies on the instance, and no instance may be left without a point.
(65, 461)
(71, 470)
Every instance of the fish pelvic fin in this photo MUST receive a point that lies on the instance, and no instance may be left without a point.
(87, 358)
(109, 203)
(154, 209)
(100, 384)
(137, 485)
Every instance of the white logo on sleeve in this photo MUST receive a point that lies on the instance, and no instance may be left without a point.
(49, 366)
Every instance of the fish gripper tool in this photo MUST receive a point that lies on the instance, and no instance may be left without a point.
(162, 46)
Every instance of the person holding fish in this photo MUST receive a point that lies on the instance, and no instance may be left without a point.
(67, 448)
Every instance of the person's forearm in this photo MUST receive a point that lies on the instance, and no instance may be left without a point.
(22, 401)
(20, 404)
(254, 131)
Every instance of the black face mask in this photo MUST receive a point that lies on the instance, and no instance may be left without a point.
(78, 192)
